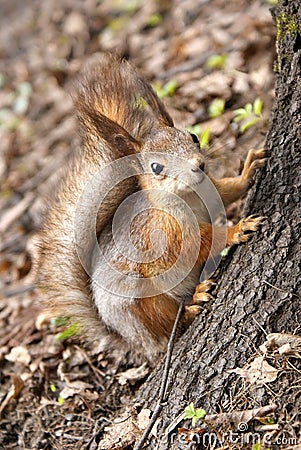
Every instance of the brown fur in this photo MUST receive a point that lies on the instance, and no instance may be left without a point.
(120, 115)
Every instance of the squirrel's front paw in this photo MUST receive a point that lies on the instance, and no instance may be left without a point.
(190, 314)
(201, 292)
(245, 228)
(255, 160)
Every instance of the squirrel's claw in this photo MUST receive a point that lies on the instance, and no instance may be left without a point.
(245, 228)
(201, 292)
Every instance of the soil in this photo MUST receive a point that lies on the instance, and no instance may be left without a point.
(54, 392)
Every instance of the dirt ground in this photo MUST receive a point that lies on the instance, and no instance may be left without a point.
(54, 393)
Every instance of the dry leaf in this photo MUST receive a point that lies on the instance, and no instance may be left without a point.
(283, 343)
(14, 391)
(123, 432)
(134, 374)
(257, 372)
(19, 354)
(238, 420)
(75, 387)
(143, 418)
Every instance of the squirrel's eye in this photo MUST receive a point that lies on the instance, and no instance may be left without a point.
(194, 138)
(157, 168)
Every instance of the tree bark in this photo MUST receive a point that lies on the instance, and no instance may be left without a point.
(258, 287)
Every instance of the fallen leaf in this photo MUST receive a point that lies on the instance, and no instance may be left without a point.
(14, 391)
(123, 432)
(19, 354)
(132, 375)
(238, 420)
(73, 388)
(257, 372)
(283, 343)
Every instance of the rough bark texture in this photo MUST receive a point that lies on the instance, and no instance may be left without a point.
(258, 288)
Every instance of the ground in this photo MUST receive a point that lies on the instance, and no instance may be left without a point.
(55, 393)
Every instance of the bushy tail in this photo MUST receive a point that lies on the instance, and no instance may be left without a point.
(112, 87)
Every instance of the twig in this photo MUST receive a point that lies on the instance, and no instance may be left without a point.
(280, 290)
(16, 291)
(163, 388)
(16, 211)
(187, 66)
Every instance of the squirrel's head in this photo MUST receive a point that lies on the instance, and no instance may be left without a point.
(172, 161)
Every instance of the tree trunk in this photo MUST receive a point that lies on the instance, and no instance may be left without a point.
(258, 287)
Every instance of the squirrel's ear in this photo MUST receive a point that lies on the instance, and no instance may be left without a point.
(126, 144)
(97, 125)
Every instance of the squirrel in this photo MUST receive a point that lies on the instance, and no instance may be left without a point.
(129, 228)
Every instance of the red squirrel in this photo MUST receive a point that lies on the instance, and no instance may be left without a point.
(134, 164)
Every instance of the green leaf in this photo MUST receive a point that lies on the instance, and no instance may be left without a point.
(249, 108)
(203, 136)
(216, 62)
(204, 139)
(69, 332)
(194, 421)
(167, 90)
(52, 388)
(256, 446)
(194, 414)
(60, 400)
(196, 129)
(268, 421)
(248, 124)
(189, 411)
(257, 106)
(240, 111)
(58, 321)
(240, 117)
(153, 20)
(216, 107)
(117, 23)
(200, 413)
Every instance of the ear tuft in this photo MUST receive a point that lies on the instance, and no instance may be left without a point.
(126, 145)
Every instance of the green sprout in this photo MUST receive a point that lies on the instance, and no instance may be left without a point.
(215, 62)
(71, 331)
(256, 446)
(194, 414)
(204, 136)
(153, 20)
(216, 107)
(204, 139)
(58, 321)
(167, 90)
(60, 399)
(249, 115)
(128, 6)
(267, 420)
